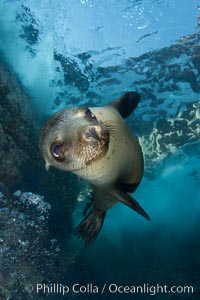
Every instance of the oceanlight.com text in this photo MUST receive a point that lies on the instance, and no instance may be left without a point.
(112, 288)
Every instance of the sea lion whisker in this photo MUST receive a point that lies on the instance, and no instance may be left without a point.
(111, 127)
(92, 142)
(113, 133)
(109, 124)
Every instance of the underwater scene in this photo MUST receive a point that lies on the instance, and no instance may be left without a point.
(81, 56)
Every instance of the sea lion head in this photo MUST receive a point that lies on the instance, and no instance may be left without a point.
(72, 139)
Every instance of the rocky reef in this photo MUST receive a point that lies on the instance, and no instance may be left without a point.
(26, 252)
(31, 238)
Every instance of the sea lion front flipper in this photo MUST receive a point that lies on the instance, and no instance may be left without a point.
(90, 227)
(130, 202)
(126, 104)
(88, 204)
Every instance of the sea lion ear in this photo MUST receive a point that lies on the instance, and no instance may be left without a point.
(126, 104)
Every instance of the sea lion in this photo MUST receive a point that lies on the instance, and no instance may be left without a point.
(96, 144)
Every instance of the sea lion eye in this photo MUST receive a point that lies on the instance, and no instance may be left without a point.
(57, 151)
(89, 114)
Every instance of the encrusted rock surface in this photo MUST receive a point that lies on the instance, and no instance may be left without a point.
(17, 128)
(27, 254)
(32, 240)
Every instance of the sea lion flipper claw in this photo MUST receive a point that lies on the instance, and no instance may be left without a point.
(90, 227)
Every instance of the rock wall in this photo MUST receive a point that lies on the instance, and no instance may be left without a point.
(32, 239)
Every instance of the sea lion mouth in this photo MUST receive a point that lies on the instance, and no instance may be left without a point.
(91, 156)
(72, 140)
(93, 144)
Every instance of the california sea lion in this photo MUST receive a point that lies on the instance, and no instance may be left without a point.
(96, 144)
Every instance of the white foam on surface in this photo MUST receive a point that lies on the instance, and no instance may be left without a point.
(114, 30)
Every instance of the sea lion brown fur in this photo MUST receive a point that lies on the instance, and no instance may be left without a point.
(96, 144)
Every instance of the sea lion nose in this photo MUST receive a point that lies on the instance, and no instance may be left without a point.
(92, 133)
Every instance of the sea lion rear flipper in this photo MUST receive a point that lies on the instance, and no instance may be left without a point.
(90, 227)
(130, 202)
(126, 104)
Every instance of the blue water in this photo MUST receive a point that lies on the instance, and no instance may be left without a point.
(88, 52)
